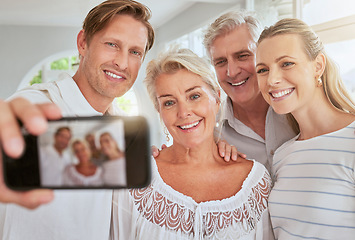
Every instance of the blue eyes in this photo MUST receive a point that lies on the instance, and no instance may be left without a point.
(170, 103)
(283, 65)
(134, 52)
(194, 96)
(260, 71)
(219, 63)
(111, 44)
(287, 64)
(241, 57)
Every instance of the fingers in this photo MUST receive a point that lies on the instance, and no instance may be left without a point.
(155, 151)
(228, 152)
(50, 110)
(234, 153)
(221, 148)
(243, 155)
(30, 199)
(34, 117)
(35, 198)
(10, 135)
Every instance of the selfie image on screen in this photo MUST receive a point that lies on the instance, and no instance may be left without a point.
(83, 153)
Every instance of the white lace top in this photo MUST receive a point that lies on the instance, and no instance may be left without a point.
(71, 177)
(160, 212)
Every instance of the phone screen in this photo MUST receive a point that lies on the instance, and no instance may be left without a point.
(86, 152)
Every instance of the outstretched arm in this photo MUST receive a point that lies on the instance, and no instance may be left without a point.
(34, 118)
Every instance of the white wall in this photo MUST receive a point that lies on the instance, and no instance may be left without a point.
(198, 15)
(22, 47)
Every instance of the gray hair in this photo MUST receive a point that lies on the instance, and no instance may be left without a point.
(227, 23)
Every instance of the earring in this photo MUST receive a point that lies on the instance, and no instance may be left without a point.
(319, 82)
(166, 132)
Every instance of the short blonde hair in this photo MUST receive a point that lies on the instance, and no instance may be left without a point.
(333, 85)
(173, 60)
(79, 141)
(227, 23)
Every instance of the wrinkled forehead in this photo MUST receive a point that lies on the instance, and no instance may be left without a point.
(238, 39)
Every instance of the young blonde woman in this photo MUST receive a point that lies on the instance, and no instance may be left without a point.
(115, 165)
(314, 181)
(194, 193)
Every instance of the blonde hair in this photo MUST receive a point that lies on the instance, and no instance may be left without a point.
(174, 60)
(227, 23)
(79, 141)
(333, 85)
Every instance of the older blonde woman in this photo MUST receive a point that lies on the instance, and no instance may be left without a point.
(85, 172)
(314, 191)
(194, 193)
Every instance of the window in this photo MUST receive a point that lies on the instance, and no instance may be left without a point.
(50, 70)
(321, 11)
(342, 53)
(335, 26)
(192, 41)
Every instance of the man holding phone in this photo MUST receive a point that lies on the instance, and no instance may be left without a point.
(115, 38)
(57, 157)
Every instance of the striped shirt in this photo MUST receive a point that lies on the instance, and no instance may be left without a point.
(314, 187)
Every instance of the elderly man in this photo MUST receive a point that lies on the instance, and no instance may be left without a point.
(248, 122)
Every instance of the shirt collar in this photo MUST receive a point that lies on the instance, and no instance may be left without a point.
(227, 110)
(72, 96)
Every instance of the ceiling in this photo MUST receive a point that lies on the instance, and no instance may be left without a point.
(73, 12)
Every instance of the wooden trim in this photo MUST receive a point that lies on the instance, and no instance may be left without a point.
(341, 29)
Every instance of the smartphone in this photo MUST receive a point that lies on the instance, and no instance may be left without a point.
(101, 152)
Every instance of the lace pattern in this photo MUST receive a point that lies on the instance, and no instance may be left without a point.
(158, 209)
(161, 211)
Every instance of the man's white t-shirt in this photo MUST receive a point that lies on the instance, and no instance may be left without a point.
(73, 214)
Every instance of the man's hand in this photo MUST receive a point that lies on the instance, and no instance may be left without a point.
(228, 152)
(156, 151)
(34, 118)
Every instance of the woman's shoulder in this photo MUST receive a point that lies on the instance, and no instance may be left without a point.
(257, 173)
(242, 165)
(164, 155)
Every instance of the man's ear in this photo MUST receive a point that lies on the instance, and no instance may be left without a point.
(320, 64)
(81, 43)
